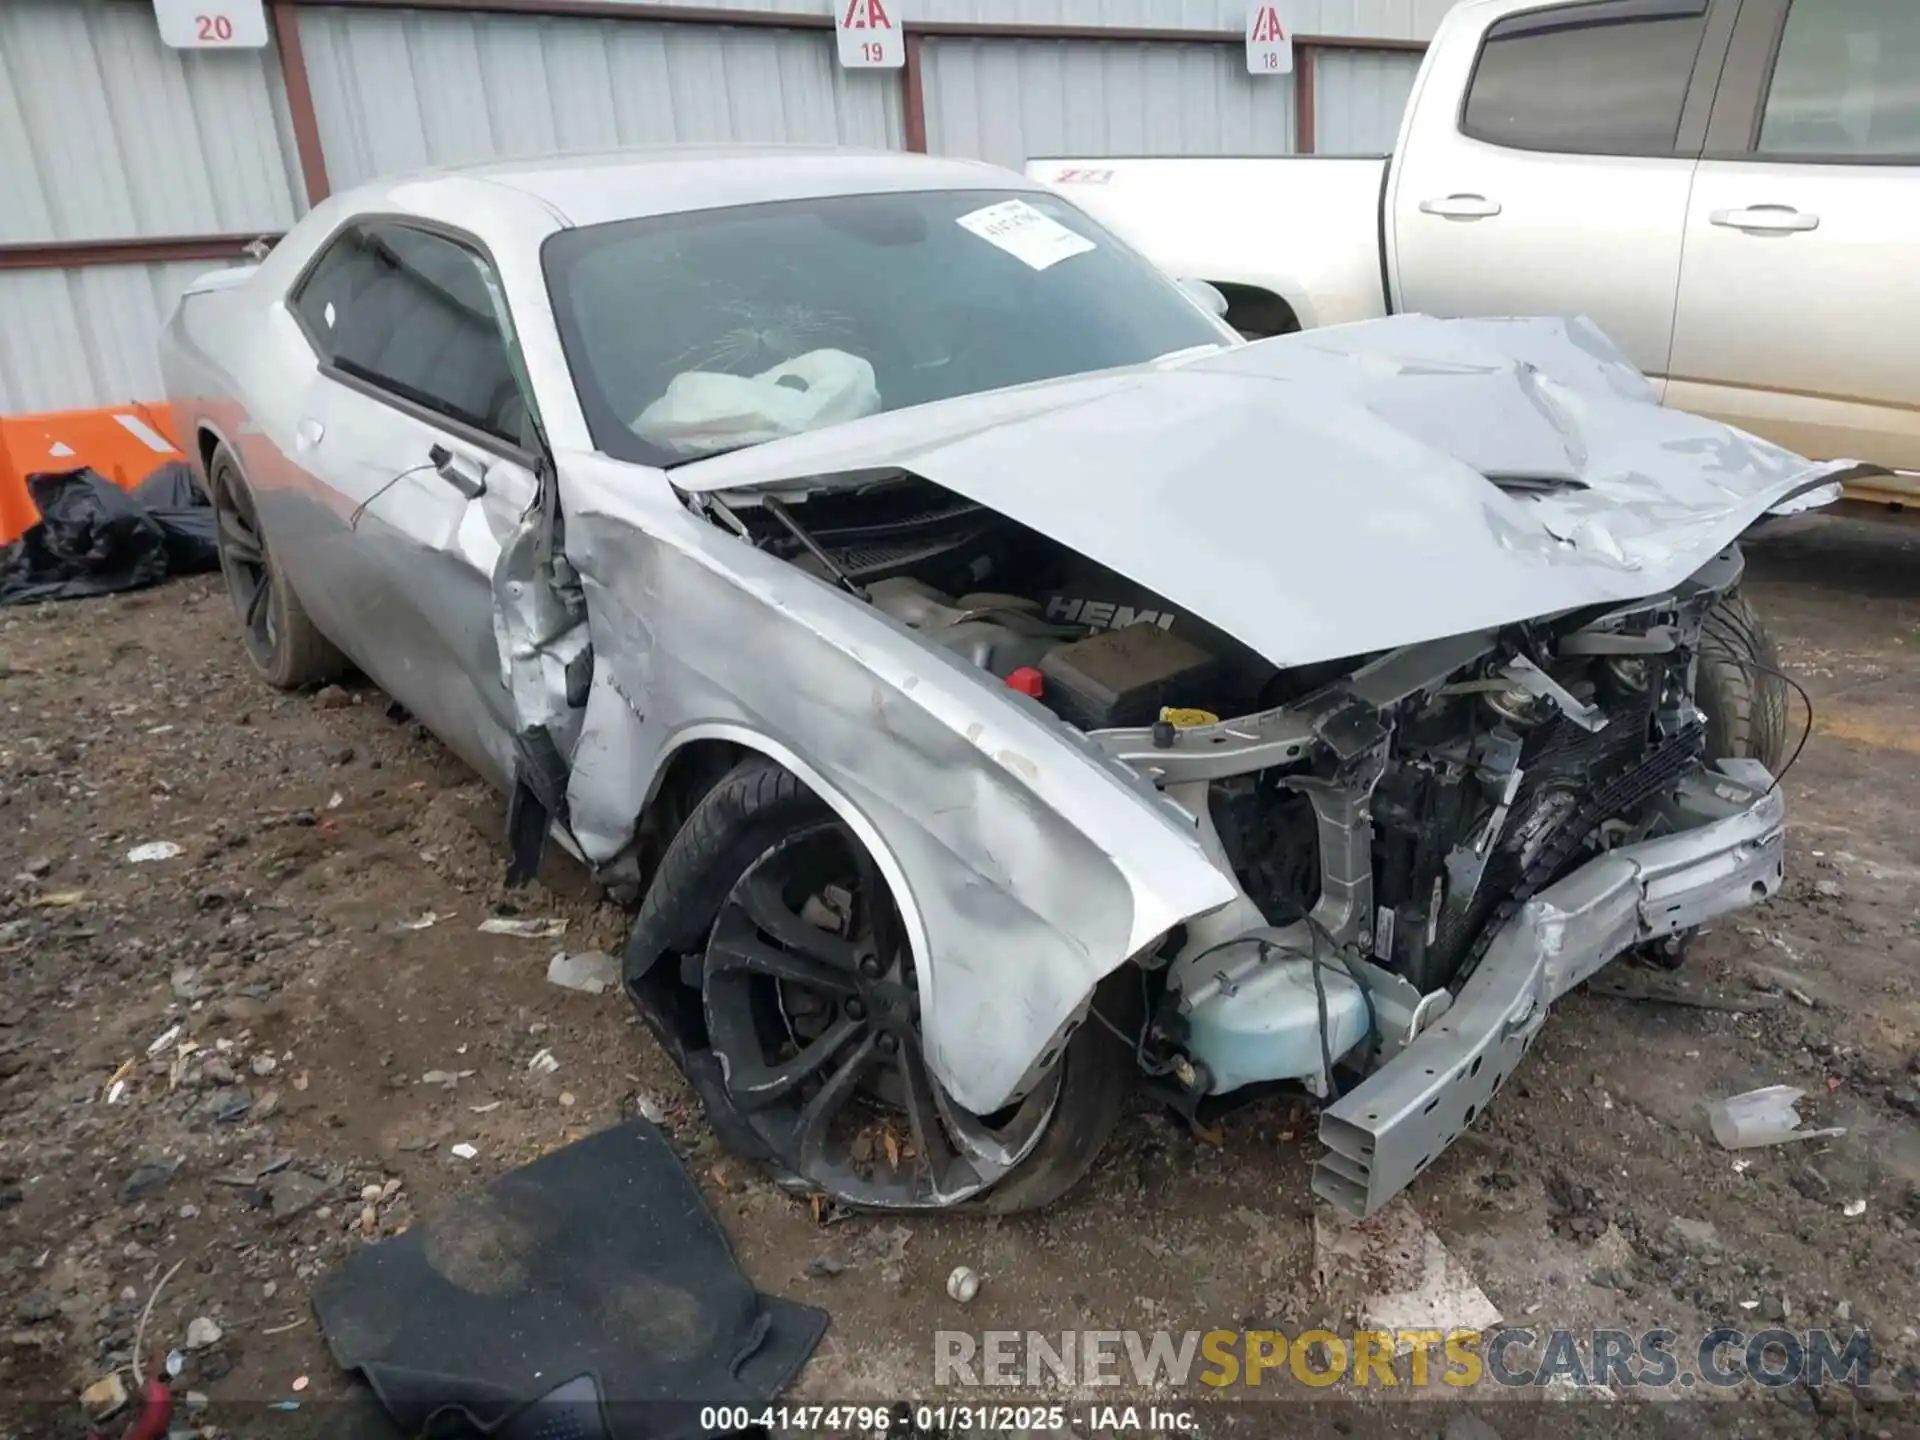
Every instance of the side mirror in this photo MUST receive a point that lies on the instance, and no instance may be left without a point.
(1208, 295)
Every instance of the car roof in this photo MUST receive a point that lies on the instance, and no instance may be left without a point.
(593, 188)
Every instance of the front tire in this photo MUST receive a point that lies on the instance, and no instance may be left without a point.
(282, 642)
(807, 1024)
(1739, 686)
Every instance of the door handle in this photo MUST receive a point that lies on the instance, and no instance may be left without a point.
(462, 474)
(1772, 218)
(1461, 207)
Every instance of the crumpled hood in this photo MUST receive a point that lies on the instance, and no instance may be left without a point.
(1330, 493)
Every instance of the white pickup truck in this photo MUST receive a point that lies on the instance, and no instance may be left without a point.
(1730, 189)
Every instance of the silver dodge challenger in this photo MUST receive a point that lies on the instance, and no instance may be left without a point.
(989, 679)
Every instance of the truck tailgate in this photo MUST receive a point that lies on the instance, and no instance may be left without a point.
(1304, 227)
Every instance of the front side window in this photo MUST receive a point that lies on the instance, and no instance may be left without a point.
(1847, 81)
(412, 312)
(695, 333)
(1586, 81)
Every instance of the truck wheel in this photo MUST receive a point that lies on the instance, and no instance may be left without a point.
(1744, 700)
(282, 643)
(811, 1017)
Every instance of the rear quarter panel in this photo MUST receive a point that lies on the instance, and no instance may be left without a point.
(240, 375)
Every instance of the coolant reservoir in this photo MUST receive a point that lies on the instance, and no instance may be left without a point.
(1265, 1024)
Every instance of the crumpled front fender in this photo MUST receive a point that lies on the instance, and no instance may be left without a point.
(1026, 865)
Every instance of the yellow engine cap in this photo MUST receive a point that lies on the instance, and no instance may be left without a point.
(1183, 719)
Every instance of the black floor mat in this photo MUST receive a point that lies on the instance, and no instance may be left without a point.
(599, 1260)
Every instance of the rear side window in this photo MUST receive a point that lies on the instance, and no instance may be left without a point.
(1592, 80)
(412, 312)
(1846, 84)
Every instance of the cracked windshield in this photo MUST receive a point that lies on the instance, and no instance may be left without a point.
(698, 333)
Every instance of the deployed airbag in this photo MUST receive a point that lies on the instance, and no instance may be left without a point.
(704, 410)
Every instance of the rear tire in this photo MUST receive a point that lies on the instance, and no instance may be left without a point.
(282, 642)
(754, 813)
(1745, 700)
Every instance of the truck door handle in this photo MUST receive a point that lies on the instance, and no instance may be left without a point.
(1461, 207)
(1775, 218)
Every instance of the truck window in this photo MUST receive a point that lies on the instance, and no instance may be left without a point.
(1847, 82)
(1591, 80)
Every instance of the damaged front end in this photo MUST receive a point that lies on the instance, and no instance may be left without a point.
(1358, 775)
(1489, 819)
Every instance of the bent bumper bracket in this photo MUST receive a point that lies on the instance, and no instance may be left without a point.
(1724, 854)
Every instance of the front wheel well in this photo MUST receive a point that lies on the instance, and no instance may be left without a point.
(1256, 312)
(689, 773)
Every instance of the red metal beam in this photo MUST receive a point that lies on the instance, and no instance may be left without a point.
(597, 10)
(63, 254)
(306, 121)
(914, 95)
(1303, 103)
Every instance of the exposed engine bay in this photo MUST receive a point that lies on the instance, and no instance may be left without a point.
(1382, 814)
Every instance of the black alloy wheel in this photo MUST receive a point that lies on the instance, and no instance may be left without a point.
(243, 562)
(812, 1008)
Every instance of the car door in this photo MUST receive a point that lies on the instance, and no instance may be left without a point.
(1560, 185)
(419, 423)
(1800, 290)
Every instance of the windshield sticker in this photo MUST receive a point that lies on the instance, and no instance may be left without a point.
(1024, 233)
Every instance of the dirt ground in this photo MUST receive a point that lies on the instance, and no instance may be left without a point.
(316, 938)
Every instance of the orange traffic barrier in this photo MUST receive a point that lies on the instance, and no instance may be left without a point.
(125, 443)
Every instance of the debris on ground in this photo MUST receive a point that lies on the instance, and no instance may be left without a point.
(153, 850)
(1767, 1116)
(963, 1284)
(593, 971)
(464, 1151)
(104, 1397)
(549, 929)
(291, 1194)
(1396, 1275)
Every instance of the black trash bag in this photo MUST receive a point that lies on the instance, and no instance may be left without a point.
(184, 517)
(95, 539)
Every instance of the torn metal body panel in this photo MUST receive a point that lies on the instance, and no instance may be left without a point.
(1013, 849)
(1728, 853)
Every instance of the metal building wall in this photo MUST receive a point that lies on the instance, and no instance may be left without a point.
(105, 133)
(396, 90)
(1010, 100)
(76, 338)
(1358, 99)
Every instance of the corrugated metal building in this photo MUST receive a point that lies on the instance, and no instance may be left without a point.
(127, 167)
